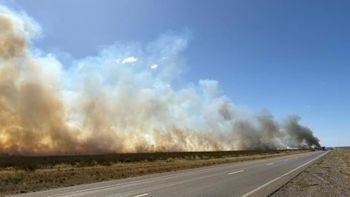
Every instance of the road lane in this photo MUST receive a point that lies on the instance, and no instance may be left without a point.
(249, 178)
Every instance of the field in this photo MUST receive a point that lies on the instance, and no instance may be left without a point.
(20, 174)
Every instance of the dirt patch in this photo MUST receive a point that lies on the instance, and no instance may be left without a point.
(329, 176)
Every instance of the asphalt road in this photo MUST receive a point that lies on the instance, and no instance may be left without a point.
(248, 178)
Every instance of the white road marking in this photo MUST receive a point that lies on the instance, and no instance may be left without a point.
(275, 179)
(140, 195)
(286, 160)
(95, 189)
(269, 164)
(121, 184)
(68, 193)
(230, 173)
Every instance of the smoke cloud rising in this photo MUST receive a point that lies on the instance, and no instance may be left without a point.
(122, 100)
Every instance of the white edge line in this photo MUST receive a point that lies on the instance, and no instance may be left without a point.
(118, 184)
(269, 164)
(92, 189)
(230, 173)
(273, 180)
(140, 195)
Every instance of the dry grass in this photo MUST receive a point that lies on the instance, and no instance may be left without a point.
(304, 183)
(327, 177)
(13, 180)
(344, 156)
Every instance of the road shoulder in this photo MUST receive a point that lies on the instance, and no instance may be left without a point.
(329, 176)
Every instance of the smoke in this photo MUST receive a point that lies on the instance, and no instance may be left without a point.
(122, 100)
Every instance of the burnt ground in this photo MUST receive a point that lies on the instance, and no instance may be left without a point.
(329, 176)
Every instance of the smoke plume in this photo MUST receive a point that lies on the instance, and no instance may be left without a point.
(122, 100)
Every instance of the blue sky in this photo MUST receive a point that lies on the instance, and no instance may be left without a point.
(291, 57)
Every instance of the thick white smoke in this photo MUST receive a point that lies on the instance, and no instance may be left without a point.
(122, 100)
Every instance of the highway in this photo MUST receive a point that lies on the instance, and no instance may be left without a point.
(247, 178)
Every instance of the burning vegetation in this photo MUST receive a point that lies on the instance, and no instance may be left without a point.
(122, 100)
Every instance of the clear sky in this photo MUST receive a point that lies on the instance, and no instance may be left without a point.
(291, 57)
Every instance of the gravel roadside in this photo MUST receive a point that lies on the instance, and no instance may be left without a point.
(329, 176)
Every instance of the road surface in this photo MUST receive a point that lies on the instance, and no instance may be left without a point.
(248, 178)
